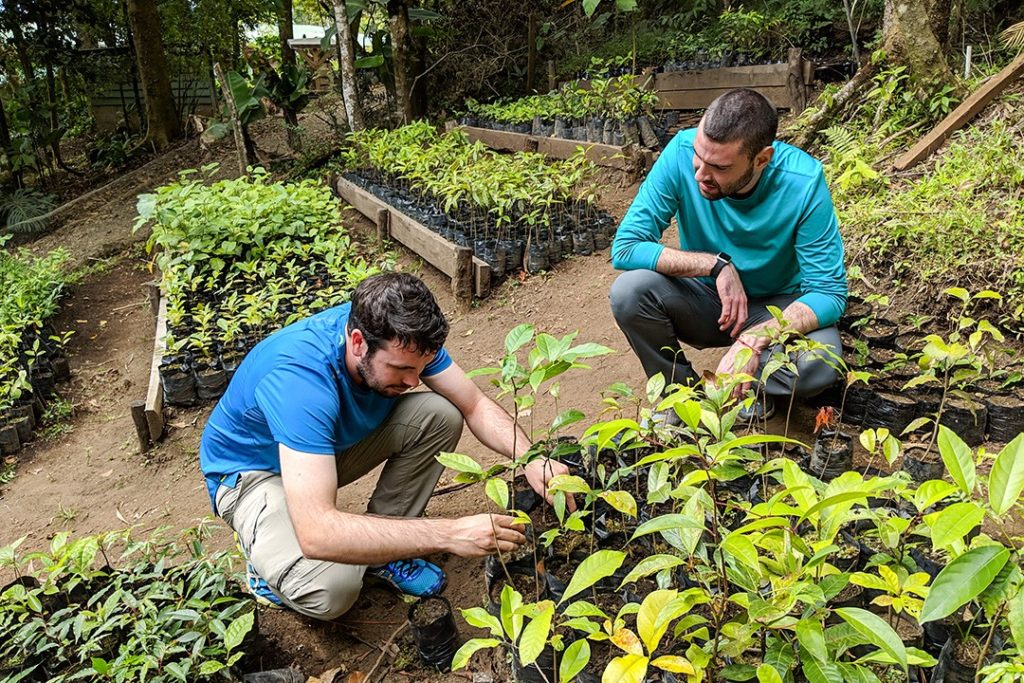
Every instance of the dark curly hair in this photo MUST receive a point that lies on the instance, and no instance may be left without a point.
(397, 307)
(742, 114)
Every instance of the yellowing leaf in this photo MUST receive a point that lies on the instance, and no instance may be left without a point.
(675, 664)
(628, 669)
(627, 641)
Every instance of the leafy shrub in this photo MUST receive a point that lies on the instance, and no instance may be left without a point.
(166, 612)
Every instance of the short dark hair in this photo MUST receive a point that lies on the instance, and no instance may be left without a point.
(397, 307)
(742, 114)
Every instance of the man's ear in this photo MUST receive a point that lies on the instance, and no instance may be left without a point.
(762, 158)
(357, 343)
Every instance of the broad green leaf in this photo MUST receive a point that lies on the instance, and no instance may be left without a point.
(627, 669)
(600, 565)
(460, 463)
(517, 337)
(1007, 478)
(511, 619)
(590, 6)
(655, 387)
(766, 673)
(957, 457)
(497, 490)
(536, 633)
(953, 523)
(464, 653)
(101, 666)
(665, 522)
(931, 492)
(819, 672)
(833, 500)
(962, 580)
(208, 668)
(854, 673)
(876, 631)
(587, 350)
(569, 483)
(574, 659)
(237, 629)
(812, 638)
(650, 565)
(481, 618)
(743, 550)
(1015, 617)
(622, 501)
(647, 626)
(582, 608)
(566, 418)
(626, 6)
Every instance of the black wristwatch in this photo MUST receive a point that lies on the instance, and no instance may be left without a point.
(723, 260)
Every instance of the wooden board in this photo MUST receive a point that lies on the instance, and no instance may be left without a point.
(501, 140)
(610, 156)
(754, 76)
(699, 99)
(967, 110)
(155, 394)
(436, 250)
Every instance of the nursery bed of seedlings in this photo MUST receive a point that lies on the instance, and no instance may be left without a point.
(515, 211)
(698, 552)
(612, 111)
(239, 259)
(904, 376)
(32, 356)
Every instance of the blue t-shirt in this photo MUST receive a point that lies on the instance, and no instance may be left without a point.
(293, 389)
(783, 237)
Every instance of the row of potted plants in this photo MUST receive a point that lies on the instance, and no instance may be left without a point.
(515, 211)
(707, 551)
(32, 358)
(240, 259)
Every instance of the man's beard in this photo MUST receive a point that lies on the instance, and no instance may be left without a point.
(731, 190)
(373, 383)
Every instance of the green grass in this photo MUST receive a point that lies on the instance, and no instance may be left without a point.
(57, 419)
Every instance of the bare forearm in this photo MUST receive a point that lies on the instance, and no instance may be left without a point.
(371, 540)
(495, 429)
(678, 263)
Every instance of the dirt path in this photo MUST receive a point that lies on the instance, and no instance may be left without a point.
(92, 479)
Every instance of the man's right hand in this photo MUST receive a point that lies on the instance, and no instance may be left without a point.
(734, 301)
(485, 534)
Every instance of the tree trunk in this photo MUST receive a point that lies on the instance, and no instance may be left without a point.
(401, 53)
(531, 54)
(939, 18)
(908, 39)
(161, 117)
(347, 66)
(284, 31)
(5, 142)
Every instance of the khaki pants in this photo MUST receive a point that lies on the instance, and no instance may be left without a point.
(419, 427)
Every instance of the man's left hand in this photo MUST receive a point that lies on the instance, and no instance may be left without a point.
(728, 365)
(539, 473)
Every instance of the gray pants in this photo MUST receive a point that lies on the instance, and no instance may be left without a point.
(419, 427)
(656, 312)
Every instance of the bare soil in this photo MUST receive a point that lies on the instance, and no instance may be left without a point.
(93, 478)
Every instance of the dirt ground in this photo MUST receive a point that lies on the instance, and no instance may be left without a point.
(94, 479)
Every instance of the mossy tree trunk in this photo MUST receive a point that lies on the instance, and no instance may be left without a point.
(285, 30)
(162, 121)
(401, 52)
(349, 90)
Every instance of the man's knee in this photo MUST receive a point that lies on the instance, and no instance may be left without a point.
(630, 291)
(443, 415)
(327, 595)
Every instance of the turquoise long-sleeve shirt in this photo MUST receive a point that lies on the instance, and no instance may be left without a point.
(783, 237)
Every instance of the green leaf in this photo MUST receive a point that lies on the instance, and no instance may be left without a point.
(497, 490)
(953, 523)
(100, 666)
(819, 672)
(1007, 478)
(481, 618)
(569, 483)
(743, 549)
(627, 669)
(535, 635)
(650, 565)
(876, 631)
(962, 580)
(622, 501)
(587, 350)
(460, 463)
(1015, 617)
(369, 62)
(517, 337)
(766, 673)
(812, 638)
(957, 457)
(655, 387)
(589, 7)
(574, 659)
(464, 653)
(511, 620)
(566, 418)
(237, 629)
(833, 500)
(600, 565)
(210, 667)
(665, 523)
(649, 626)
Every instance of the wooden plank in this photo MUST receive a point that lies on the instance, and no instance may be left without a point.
(700, 99)
(462, 278)
(612, 156)
(967, 110)
(383, 222)
(754, 76)
(141, 424)
(500, 140)
(795, 81)
(437, 251)
(361, 200)
(154, 408)
(481, 278)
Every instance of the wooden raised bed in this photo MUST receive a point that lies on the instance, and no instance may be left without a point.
(626, 157)
(469, 274)
(148, 415)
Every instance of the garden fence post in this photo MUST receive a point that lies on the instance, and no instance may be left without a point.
(462, 278)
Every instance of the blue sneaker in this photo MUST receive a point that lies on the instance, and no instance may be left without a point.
(417, 578)
(260, 590)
